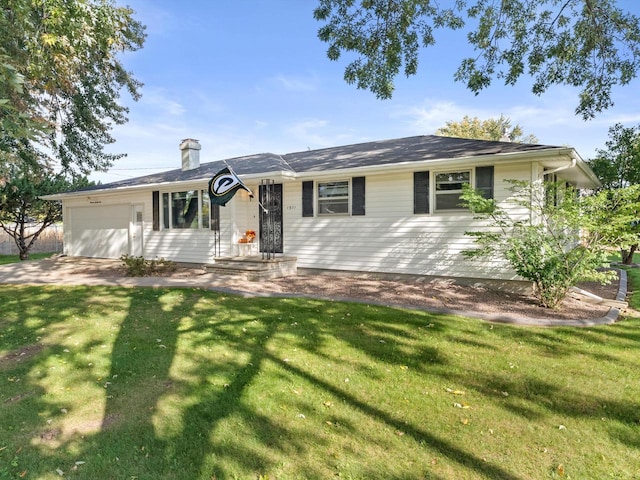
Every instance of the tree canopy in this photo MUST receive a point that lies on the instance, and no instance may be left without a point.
(618, 165)
(591, 44)
(618, 168)
(491, 129)
(24, 216)
(61, 78)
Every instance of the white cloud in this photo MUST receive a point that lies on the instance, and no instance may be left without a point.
(317, 133)
(296, 84)
(432, 114)
(162, 102)
(551, 120)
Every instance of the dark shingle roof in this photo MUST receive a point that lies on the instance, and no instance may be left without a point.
(385, 152)
(401, 150)
(250, 164)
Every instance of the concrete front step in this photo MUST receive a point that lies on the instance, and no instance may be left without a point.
(254, 268)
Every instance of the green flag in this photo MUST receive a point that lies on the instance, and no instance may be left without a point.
(224, 185)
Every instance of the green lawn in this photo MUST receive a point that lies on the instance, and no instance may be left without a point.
(5, 259)
(116, 383)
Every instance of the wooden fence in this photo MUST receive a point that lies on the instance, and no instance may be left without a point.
(49, 241)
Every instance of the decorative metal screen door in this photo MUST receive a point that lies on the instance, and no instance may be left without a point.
(270, 218)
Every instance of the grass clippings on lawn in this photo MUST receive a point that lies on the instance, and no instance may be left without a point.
(106, 382)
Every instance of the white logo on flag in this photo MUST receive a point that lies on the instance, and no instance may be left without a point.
(224, 183)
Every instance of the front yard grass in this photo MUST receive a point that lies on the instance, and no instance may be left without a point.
(6, 259)
(108, 382)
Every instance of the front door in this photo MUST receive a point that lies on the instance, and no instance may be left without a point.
(135, 231)
(270, 217)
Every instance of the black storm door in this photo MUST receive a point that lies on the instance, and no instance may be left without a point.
(270, 217)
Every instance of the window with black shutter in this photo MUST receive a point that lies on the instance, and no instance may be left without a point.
(421, 192)
(358, 198)
(484, 181)
(307, 199)
(155, 200)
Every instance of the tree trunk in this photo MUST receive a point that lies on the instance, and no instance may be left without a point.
(20, 239)
(627, 255)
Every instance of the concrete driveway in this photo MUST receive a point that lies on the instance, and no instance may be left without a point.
(60, 270)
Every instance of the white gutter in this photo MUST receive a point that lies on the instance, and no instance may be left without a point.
(512, 157)
(576, 160)
(571, 164)
(195, 183)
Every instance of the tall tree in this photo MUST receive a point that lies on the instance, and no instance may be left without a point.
(618, 167)
(616, 217)
(24, 216)
(61, 78)
(591, 44)
(491, 129)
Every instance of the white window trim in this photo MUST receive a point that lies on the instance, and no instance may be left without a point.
(317, 198)
(433, 193)
(201, 193)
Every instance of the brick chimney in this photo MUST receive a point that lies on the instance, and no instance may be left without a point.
(190, 149)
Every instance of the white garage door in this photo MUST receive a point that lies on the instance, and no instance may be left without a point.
(100, 231)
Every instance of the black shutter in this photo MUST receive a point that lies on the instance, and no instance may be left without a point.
(307, 199)
(484, 181)
(357, 199)
(421, 192)
(155, 200)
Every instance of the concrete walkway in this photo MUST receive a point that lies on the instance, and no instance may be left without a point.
(82, 271)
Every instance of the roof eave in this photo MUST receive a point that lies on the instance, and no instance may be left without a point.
(554, 154)
(284, 175)
(489, 159)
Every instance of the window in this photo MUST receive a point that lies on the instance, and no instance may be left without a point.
(333, 198)
(184, 209)
(555, 189)
(190, 209)
(449, 188)
(205, 211)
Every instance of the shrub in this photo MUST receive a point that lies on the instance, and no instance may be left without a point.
(140, 267)
(556, 245)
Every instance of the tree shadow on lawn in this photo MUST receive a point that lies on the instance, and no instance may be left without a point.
(525, 387)
(202, 385)
(38, 329)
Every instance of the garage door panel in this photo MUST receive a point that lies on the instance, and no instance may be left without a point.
(101, 231)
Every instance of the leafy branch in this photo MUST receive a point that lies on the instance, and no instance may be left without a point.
(547, 233)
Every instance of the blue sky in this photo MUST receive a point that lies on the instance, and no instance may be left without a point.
(251, 76)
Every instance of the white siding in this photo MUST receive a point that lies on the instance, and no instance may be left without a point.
(184, 245)
(189, 245)
(390, 238)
